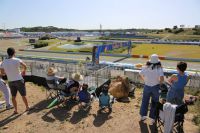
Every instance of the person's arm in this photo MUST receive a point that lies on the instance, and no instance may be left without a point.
(2, 72)
(189, 77)
(161, 79)
(142, 72)
(24, 67)
(173, 78)
(161, 73)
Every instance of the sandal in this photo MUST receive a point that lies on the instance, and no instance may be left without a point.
(29, 109)
(15, 113)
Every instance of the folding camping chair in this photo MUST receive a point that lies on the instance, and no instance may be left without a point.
(105, 101)
(178, 121)
(52, 89)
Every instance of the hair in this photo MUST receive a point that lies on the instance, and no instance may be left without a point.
(10, 51)
(84, 87)
(154, 65)
(105, 89)
(182, 66)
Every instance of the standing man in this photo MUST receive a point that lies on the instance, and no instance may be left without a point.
(11, 67)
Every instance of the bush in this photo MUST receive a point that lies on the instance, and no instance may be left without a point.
(46, 37)
(104, 38)
(40, 44)
(178, 31)
(197, 32)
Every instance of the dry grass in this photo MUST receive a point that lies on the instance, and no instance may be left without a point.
(183, 51)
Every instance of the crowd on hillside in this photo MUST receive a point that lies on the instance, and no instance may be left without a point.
(152, 75)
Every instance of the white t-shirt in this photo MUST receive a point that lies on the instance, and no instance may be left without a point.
(151, 77)
(12, 68)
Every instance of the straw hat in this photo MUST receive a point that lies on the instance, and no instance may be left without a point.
(154, 59)
(77, 76)
(51, 71)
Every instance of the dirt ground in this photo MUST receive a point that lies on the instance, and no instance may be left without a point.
(124, 118)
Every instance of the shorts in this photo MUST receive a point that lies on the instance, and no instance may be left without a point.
(18, 85)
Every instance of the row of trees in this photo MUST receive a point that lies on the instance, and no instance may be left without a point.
(44, 29)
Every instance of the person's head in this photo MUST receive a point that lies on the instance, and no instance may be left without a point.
(51, 71)
(182, 66)
(154, 61)
(105, 88)
(77, 77)
(84, 87)
(11, 52)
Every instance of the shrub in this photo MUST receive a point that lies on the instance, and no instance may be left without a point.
(40, 44)
(178, 31)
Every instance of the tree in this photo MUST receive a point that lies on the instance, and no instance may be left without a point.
(175, 27)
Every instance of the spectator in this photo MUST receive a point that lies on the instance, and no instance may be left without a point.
(153, 75)
(84, 96)
(11, 67)
(6, 91)
(176, 93)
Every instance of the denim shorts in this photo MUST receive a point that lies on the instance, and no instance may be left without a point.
(18, 85)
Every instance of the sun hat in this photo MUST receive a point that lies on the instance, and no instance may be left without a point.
(51, 71)
(154, 59)
(77, 76)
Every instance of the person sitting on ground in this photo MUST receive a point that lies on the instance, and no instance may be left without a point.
(175, 94)
(105, 99)
(6, 91)
(84, 96)
(51, 76)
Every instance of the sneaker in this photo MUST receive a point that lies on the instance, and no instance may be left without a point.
(152, 122)
(143, 118)
(9, 107)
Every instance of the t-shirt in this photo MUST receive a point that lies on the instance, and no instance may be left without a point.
(55, 79)
(12, 68)
(84, 96)
(151, 77)
(70, 84)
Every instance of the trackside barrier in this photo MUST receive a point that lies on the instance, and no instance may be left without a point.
(92, 76)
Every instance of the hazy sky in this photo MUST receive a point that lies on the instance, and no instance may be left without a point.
(89, 14)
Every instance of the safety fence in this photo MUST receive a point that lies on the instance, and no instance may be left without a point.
(94, 75)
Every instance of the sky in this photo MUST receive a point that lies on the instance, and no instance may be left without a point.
(89, 14)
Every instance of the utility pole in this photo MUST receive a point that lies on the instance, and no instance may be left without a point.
(4, 26)
(100, 29)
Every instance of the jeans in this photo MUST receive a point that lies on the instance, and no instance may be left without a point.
(153, 93)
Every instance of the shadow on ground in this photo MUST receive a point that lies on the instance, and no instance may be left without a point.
(144, 128)
(9, 119)
(59, 113)
(79, 115)
(101, 118)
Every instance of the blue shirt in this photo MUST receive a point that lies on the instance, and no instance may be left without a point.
(84, 96)
(177, 88)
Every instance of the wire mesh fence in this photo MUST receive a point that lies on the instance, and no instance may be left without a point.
(93, 76)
